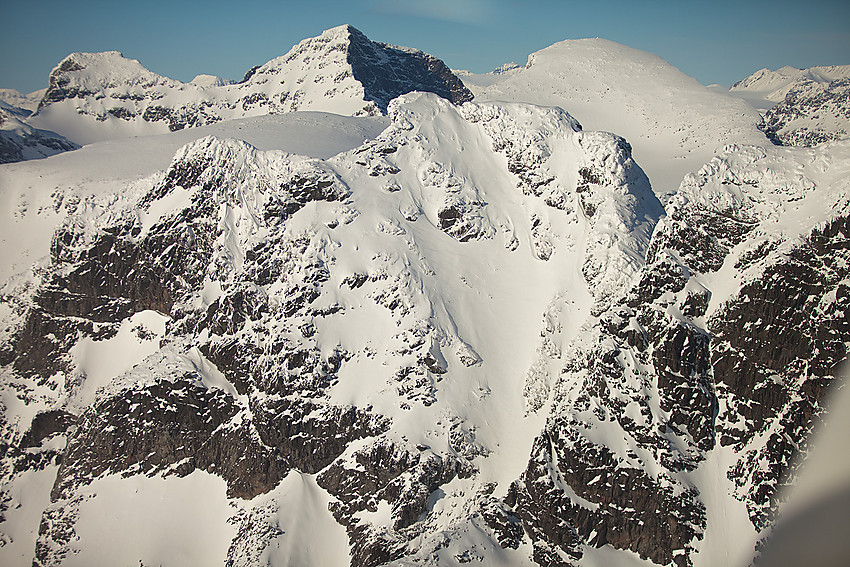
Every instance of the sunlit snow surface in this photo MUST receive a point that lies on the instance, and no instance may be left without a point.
(479, 302)
(178, 521)
(497, 310)
(153, 521)
(674, 123)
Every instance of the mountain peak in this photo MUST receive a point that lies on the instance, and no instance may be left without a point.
(340, 71)
(101, 64)
(385, 71)
(342, 31)
(210, 81)
(82, 74)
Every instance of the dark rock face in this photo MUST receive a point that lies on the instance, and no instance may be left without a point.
(776, 348)
(39, 143)
(577, 492)
(616, 505)
(58, 83)
(46, 424)
(172, 427)
(387, 72)
(101, 279)
(402, 476)
(312, 434)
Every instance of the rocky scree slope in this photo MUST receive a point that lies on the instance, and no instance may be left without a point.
(97, 96)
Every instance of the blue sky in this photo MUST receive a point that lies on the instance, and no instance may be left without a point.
(716, 41)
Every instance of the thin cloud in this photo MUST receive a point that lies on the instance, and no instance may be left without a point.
(473, 12)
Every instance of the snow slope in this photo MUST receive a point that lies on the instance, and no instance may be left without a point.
(673, 123)
(765, 88)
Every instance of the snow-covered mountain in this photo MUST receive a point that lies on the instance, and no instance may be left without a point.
(463, 332)
(210, 81)
(19, 141)
(673, 123)
(28, 102)
(99, 96)
(774, 86)
(397, 235)
(802, 107)
(811, 115)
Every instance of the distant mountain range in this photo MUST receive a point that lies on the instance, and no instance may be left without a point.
(100, 96)
(19, 141)
(28, 102)
(95, 96)
(775, 86)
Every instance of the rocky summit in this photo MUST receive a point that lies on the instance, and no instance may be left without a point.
(467, 331)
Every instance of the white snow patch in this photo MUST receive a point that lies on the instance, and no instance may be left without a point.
(169, 521)
(311, 536)
(98, 362)
(29, 495)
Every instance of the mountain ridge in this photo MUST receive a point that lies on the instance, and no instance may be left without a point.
(775, 85)
(98, 96)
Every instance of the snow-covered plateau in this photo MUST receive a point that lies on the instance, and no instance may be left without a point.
(343, 313)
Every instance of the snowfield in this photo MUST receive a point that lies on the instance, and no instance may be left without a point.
(673, 123)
